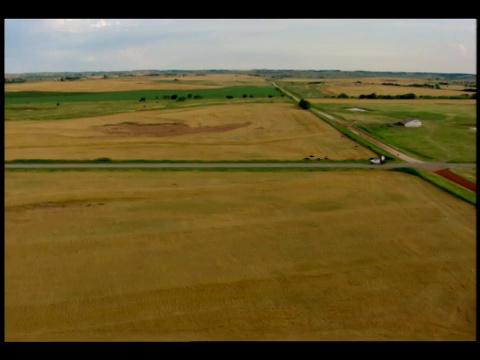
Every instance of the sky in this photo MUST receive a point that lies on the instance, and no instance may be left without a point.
(397, 45)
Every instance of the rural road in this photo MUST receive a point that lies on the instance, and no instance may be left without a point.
(310, 164)
(411, 162)
(391, 150)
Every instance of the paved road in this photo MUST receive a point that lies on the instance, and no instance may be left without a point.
(307, 164)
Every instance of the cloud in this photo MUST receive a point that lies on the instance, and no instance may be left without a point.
(103, 44)
(101, 23)
(79, 25)
(444, 24)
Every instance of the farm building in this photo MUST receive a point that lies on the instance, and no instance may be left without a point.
(408, 122)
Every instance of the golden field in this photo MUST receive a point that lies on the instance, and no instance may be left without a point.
(115, 83)
(223, 132)
(397, 101)
(192, 255)
(365, 86)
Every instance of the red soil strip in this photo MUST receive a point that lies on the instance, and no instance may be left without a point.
(457, 179)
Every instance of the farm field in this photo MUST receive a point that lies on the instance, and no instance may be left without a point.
(320, 88)
(116, 83)
(247, 131)
(154, 256)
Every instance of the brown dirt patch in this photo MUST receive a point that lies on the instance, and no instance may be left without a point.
(168, 129)
(446, 173)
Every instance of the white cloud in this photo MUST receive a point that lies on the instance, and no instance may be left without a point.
(229, 43)
(79, 25)
(100, 23)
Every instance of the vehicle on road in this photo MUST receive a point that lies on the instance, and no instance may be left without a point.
(379, 160)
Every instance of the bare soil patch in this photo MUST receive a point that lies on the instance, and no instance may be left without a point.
(169, 129)
(446, 173)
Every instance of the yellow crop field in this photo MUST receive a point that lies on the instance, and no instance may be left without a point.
(223, 132)
(365, 86)
(179, 256)
(396, 101)
(98, 84)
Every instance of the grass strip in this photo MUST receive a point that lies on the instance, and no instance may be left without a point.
(442, 183)
(163, 161)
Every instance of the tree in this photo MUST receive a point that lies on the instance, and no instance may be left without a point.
(304, 104)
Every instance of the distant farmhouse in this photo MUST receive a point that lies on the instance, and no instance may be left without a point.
(407, 122)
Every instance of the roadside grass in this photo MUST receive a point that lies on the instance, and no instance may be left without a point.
(166, 161)
(186, 169)
(445, 134)
(442, 183)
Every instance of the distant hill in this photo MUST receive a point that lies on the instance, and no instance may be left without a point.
(269, 74)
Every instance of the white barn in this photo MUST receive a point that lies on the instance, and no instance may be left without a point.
(409, 122)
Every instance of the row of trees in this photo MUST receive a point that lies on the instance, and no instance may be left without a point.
(14, 80)
(189, 96)
(407, 96)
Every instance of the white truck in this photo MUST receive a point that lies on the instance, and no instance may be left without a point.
(379, 160)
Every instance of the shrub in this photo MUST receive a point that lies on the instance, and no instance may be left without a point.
(304, 104)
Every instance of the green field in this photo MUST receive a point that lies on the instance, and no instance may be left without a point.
(34, 97)
(446, 134)
(43, 105)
